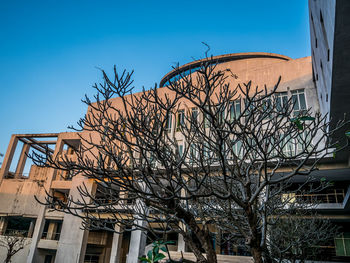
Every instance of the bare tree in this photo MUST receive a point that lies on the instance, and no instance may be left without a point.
(300, 237)
(232, 151)
(13, 243)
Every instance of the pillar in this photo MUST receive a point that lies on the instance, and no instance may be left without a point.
(116, 246)
(8, 157)
(3, 225)
(51, 231)
(137, 244)
(40, 221)
(31, 229)
(37, 233)
(73, 240)
(181, 244)
(22, 160)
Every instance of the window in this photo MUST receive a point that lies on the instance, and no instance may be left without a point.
(18, 225)
(249, 107)
(281, 100)
(59, 198)
(299, 102)
(52, 229)
(206, 150)
(169, 122)
(207, 118)
(302, 141)
(151, 158)
(48, 258)
(222, 114)
(342, 245)
(295, 145)
(328, 55)
(91, 258)
(266, 108)
(180, 119)
(193, 152)
(237, 148)
(235, 109)
(194, 116)
(288, 145)
(180, 149)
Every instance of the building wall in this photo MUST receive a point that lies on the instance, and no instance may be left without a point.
(20, 257)
(17, 195)
(322, 26)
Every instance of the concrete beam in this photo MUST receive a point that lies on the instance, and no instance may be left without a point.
(36, 146)
(38, 135)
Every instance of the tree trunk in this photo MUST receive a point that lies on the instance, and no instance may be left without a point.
(255, 237)
(211, 255)
(257, 254)
(8, 258)
(203, 236)
(198, 254)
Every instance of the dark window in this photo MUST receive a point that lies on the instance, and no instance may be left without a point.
(48, 259)
(328, 55)
(180, 121)
(18, 224)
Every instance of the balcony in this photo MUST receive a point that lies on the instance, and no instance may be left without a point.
(332, 196)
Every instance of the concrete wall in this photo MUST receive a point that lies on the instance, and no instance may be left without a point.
(20, 257)
(322, 43)
(73, 240)
(17, 195)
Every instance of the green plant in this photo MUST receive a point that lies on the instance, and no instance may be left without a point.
(155, 255)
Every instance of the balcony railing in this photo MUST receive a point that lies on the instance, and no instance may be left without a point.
(55, 236)
(336, 196)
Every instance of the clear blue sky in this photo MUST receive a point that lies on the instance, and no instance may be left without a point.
(50, 50)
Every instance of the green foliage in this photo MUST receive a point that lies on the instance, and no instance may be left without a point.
(155, 255)
(347, 134)
(298, 121)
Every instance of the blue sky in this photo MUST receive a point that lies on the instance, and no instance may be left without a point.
(50, 51)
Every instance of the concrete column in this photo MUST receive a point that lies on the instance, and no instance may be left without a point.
(31, 229)
(3, 225)
(8, 157)
(181, 245)
(22, 160)
(73, 240)
(51, 230)
(137, 245)
(40, 221)
(116, 246)
(37, 233)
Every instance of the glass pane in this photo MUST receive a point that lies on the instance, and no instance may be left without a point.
(295, 102)
(232, 112)
(302, 101)
(238, 108)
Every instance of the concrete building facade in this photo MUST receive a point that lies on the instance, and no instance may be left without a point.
(320, 81)
(57, 237)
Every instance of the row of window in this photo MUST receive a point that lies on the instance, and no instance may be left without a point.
(235, 109)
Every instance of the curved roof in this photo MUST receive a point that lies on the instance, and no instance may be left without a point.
(221, 59)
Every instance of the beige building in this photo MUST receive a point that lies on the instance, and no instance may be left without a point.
(57, 237)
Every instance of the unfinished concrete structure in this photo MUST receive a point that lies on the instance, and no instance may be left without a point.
(57, 237)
